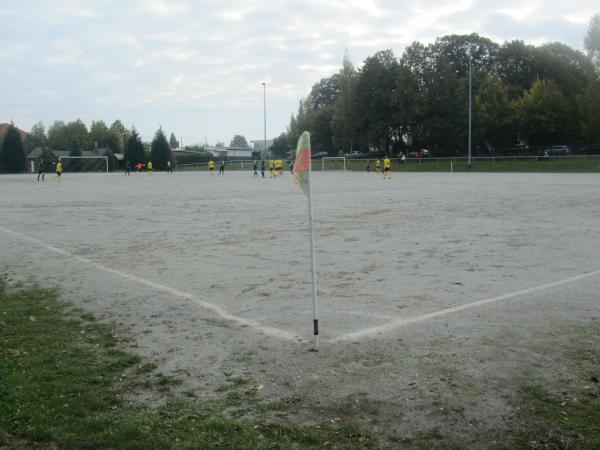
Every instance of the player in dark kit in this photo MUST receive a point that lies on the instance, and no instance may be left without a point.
(41, 169)
(255, 167)
(127, 168)
(262, 168)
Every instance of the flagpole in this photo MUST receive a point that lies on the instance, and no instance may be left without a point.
(313, 260)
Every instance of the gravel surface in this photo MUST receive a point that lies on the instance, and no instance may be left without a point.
(438, 292)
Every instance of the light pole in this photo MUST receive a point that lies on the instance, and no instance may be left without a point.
(265, 121)
(469, 163)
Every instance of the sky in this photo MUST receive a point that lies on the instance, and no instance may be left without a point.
(196, 68)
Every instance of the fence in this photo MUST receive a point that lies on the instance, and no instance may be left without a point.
(578, 163)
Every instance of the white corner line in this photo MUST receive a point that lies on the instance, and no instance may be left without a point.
(269, 331)
(400, 322)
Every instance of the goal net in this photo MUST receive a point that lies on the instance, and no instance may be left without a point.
(84, 163)
(333, 163)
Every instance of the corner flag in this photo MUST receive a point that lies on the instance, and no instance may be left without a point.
(302, 171)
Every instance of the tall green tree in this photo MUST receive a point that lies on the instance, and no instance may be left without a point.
(72, 136)
(12, 153)
(134, 148)
(545, 115)
(374, 97)
(173, 142)
(280, 147)
(160, 150)
(239, 141)
(36, 137)
(589, 106)
(119, 134)
(591, 42)
(495, 113)
(344, 137)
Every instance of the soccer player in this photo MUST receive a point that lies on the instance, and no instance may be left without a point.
(271, 167)
(138, 167)
(169, 168)
(58, 170)
(222, 167)
(150, 167)
(378, 166)
(41, 169)
(262, 168)
(211, 167)
(368, 166)
(255, 167)
(387, 164)
(127, 168)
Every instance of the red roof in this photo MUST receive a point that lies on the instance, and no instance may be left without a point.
(4, 129)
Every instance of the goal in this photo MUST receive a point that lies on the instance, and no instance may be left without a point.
(333, 163)
(84, 163)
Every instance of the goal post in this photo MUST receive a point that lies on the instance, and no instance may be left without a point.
(333, 163)
(85, 166)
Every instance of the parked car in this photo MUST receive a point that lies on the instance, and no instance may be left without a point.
(519, 149)
(354, 155)
(422, 153)
(557, 150)
(319, 155)
(591, 150)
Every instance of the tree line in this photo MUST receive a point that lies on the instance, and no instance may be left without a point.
(75, 137)
(541, 95)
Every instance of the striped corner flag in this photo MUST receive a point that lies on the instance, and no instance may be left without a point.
(302, 164)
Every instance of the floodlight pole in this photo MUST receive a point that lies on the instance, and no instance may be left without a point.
(265, 120)
(470, 87)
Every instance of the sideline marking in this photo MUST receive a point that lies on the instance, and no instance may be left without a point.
(397, 323)
(269, 331)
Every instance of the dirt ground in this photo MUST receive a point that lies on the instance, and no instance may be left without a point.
(439, 293)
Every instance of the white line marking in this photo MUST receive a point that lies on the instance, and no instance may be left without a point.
(269, 331)
(397, 323)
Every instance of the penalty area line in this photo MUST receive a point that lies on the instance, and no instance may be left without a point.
(222, 313)
(398, 323)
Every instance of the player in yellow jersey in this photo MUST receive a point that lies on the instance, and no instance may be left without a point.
(387, 165)
(378, 166)
(149, 166)
(58, 170)
(280, 166)
(271, 168)
(211, 167)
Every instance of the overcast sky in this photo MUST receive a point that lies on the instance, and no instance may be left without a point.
(196, 67)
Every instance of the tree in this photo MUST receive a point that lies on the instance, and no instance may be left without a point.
(160, 150)
(173, 142)
(239, 141)
(36, 137)
(591, 42)
(280, 147)
(99, 134)
(12, 153)
(589, 105)
(134, 148)
(343, 122)
(73, 136)
(120, 134)
(374, 93)
(545, 115)
(495, 113)
(325, 92)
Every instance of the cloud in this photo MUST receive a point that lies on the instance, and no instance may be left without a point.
(197, 67)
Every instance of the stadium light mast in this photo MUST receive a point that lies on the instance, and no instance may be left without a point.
(470, 101)
(265, 119)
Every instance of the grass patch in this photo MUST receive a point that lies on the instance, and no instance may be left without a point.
(66, 381)
(565, 414)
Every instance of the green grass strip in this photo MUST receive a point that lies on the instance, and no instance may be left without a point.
(66, 381)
